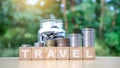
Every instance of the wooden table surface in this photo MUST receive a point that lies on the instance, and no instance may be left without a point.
(100, 62)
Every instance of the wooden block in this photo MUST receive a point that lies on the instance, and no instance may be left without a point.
(50, 53)
(88, 53)
(38, 53)
(75, 53)
(25, 53)
(63, 53)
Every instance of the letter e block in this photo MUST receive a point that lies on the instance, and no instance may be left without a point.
(25, 53)
(38, 53)
(88, 53)
(50, 53)
(63, 53)
(76, 53)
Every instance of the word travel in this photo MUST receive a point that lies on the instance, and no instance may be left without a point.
(56, 53)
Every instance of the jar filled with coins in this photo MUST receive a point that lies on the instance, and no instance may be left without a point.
(50, 29)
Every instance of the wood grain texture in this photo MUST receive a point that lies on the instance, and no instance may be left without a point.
(89, 53)
(38, 53)
(75, 53)
(25, 53)
(50, 53)
(63, 53)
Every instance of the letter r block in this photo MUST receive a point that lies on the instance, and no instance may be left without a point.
(38, 53)
(88, 53)
(76, 53)
(25, 53)
(50, 53)
(63, 53)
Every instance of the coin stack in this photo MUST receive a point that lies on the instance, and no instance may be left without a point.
(88, 37)
(37, 44)
(75, 40)
(50, 43)
(62, 42)
(26, 45)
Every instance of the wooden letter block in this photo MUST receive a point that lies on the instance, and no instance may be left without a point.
(25, 53)
(88, 53)
(38, 53)
(50, 53)
(75, 53)
(63, 53)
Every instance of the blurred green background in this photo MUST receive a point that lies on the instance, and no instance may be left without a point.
(20, 22)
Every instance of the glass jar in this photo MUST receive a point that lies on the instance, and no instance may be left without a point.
(50, 29)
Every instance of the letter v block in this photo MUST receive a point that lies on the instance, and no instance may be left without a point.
(88, 53)
(50, 53)
(38, 53)
(76, 53)
(25, 53)
(63, 53)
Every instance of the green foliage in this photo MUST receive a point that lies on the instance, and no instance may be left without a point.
(112, 38)
(88, 14)
(19, 23)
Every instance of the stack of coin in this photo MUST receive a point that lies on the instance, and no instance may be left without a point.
(38, 44)
(75, 40)
(62, 42)
(50, 43)
(88, 37)
(26, 45)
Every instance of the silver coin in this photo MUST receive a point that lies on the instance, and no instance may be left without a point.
(37, 44)
(88, 36)
(75, 40)
(26, 45)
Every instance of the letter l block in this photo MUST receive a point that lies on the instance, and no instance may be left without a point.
(89, 53)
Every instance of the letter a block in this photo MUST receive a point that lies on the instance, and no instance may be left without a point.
(88, 53)
(63, 53)
(75, 53)
(25, 53)
(50, 53)
(38, 53)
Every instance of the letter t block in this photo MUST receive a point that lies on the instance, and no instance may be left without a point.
(25, 53)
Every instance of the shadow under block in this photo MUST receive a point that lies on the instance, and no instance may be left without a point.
(88, 53)
(50, 53)
(63, 53)
(38, 53)
(75, 53)
(25, 53)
